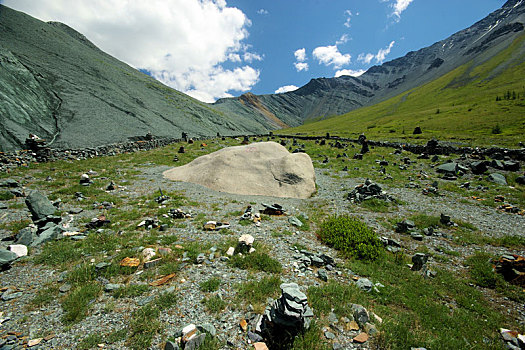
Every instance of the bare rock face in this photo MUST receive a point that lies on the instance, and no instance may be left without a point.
(264, 168)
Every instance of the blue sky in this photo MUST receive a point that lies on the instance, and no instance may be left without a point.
(220, 48)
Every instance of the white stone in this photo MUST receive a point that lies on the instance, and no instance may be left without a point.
(246, 239)
(252, 250)
(230, 251)
(262, 168)
(18, 249)
(148, 253)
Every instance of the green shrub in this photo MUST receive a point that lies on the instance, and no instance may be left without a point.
(351, 236)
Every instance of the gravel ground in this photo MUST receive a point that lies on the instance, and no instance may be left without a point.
(109, 314)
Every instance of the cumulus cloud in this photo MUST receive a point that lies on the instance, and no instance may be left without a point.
(300, 66)
(262, 12)
(351, 72)
(330, 55)
(300, 57)
(286, 88)
(379, 57)
(169, 39)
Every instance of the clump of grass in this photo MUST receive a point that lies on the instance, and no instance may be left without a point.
(59, 253)
(377, 205)
(214, 304)
(210, 285)
(144, 323)
(258, 261)
(351, 236)
(481, 270)
(45, 296)
(6, 195)
(76, 304)
(256, 292)
(143, 326)
(131, 291)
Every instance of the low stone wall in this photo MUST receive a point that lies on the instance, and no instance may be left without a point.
(25, 157)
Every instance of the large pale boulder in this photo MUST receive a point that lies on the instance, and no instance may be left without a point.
(264, 168)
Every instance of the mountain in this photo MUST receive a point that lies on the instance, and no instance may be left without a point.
(56, 84)
(325, 97)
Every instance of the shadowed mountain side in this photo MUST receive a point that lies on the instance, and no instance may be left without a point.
(325, 97)
(55, 83)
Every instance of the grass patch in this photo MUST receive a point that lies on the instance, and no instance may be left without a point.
(76, 303)
(214, 304)
(256, 292)
(6, 195)
(258, 261)
(210, 285)
(56, 253)
(45, 296)
(143, 327)
(131, 291)
(377, 205)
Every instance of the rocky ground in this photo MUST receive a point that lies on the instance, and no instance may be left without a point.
(36, 291)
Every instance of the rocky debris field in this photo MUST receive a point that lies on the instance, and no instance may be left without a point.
(106, 253)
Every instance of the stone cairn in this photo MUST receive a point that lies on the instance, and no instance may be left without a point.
(368, 190)
(285, 317)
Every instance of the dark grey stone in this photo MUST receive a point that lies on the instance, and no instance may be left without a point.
(497, 178)
(448, 168)
(360, 314)
(364, 284)
(195, 342)
(39, 206)
(25, 236)
(419, 260)
(321, 273)
(207, 328)
(52, 232)
(171, 346)
(6, 258)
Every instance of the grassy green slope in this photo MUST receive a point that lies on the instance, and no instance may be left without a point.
(460, 106)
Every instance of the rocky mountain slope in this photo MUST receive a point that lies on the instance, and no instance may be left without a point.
(58, 85)
(325, 97)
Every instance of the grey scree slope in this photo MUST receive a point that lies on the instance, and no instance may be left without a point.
(264, 168)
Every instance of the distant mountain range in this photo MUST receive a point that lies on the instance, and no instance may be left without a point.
(325, 97)
(55, 83)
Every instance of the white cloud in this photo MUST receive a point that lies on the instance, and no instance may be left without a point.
(382, 53)
(286, 88)
(169, 39)
(262, 12)
(234, 57)
(301, 66)
(344, 39)
(365, 58)
(379, 57)
(300, 55)
(353, 73)
(400, 6)
(250, 57)
(348, 15)
(330, 55)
